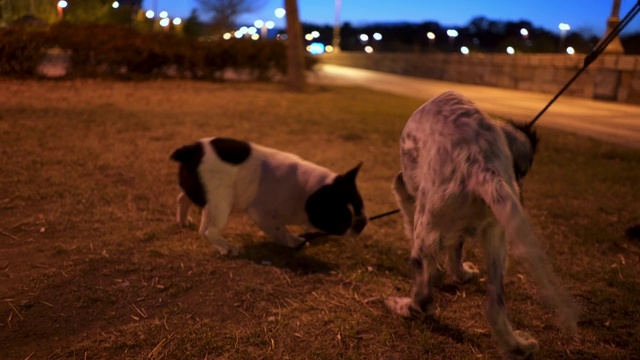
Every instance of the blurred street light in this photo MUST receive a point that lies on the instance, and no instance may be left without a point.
(177, 21)
(115, 5)
(464, 50)
(510, 50)
(368, 49)
(163, 14)
(62, 4)
(571, 50)
(280, 13)
(165, 22)
(377, 36)
(264, 27)
(149, 14)
(525, 33)
(364, 38)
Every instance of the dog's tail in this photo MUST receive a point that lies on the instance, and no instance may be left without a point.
(519, 233)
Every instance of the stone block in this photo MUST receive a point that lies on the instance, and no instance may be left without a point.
(627, 63)
(606, 84)
(609, 61)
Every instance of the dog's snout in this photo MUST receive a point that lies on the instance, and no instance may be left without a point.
(359, 224)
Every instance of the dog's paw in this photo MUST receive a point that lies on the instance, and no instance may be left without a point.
(185, 223)
(524, 347)
(293, 241)
(227, 250)
(469, 273)
(399, 305)
(403, 306)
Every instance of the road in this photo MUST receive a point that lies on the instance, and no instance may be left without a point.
(606, 121)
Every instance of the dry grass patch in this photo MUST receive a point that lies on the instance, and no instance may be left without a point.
(92, 264)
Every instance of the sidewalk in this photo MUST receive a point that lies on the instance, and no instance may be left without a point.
(606, 121)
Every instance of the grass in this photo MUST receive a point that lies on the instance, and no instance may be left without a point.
(93, 265)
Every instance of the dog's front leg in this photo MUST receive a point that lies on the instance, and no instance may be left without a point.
(183, 209)
(214, 218)
(425, 256)
(513, 344)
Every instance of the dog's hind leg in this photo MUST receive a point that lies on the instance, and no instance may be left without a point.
(183, 209)
(513, 344)
(406, 202)
(463, 272)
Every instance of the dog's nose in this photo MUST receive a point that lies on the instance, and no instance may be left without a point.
(359, 224)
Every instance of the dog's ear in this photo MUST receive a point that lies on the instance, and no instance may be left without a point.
(188, 154)
(530, 132)
(351, 174)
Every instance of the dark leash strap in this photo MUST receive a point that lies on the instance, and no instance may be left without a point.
(385, 214)
(316, 234)
(593, 56)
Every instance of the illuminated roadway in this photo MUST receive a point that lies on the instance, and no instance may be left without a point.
(607, 121)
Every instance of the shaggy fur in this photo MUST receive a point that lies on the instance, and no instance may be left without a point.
(461, 177)
(273, 187)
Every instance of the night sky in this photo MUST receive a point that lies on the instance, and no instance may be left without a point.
(584, 16)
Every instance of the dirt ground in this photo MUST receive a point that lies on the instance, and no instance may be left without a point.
(94, 266)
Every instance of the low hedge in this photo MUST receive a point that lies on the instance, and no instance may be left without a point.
(98, 50)
(21, 51)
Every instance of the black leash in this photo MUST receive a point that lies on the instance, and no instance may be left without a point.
(316, 234)
(384, 214)
(593, 56)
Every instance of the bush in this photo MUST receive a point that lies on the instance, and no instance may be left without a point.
(21, 51)
(120, 51)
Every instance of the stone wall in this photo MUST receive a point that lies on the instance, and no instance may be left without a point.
(610, 77)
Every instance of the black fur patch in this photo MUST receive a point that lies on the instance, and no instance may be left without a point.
(328, 208)
(328, 211)
(230, 150)
(189, 157)
(530, 132)
(633, 232)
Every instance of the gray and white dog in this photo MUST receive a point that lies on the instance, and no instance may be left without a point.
(275, 188)
(461, 177)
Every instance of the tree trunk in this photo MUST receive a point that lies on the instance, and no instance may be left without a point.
(295, 52)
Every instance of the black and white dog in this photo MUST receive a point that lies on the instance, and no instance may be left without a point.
(461, 177)
(275, 188)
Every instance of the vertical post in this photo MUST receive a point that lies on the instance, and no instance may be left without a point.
(615, 47)
(296, 80)
(155, 15)
(336, 27)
